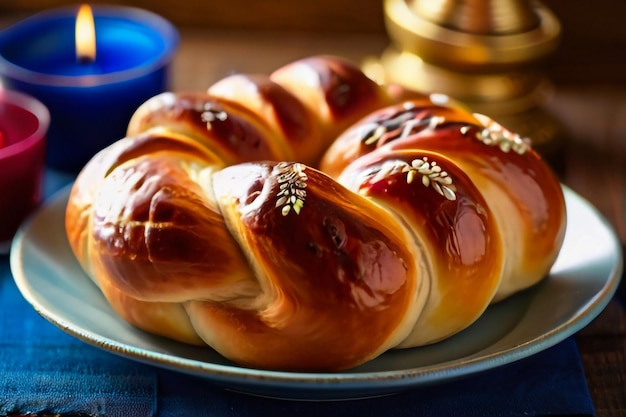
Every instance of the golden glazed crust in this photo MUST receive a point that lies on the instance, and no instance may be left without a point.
(526, 199)
(309, 219)
(455, 229)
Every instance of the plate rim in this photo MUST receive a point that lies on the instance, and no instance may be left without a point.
(336, 382)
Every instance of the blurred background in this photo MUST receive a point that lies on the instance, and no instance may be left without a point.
(592, 52)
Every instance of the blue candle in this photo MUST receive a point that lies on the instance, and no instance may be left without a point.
(90, 103)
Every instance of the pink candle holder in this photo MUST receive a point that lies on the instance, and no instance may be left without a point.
(24, 123)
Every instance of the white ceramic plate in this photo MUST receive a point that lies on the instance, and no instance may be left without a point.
(580, 285)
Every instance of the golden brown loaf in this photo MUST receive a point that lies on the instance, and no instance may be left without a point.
(311, 220)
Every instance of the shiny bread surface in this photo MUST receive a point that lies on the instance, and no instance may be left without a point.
(310, 219)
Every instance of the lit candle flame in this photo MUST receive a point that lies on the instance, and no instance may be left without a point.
(85, 35)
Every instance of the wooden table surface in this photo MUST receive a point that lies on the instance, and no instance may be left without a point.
(592, 163)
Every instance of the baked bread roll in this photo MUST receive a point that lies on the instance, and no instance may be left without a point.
(311, 220)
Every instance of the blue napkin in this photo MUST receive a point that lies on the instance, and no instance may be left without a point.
(550, 383)
(44, 370)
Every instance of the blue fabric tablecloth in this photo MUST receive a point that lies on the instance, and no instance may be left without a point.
(44, 370)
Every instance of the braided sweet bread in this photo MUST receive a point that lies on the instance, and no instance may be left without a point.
(311, 220)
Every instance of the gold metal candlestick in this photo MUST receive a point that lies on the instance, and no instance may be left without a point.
(484, 53)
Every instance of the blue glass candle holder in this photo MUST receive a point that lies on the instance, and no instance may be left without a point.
(90, 103)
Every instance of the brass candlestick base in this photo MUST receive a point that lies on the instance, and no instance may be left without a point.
(484, 53)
